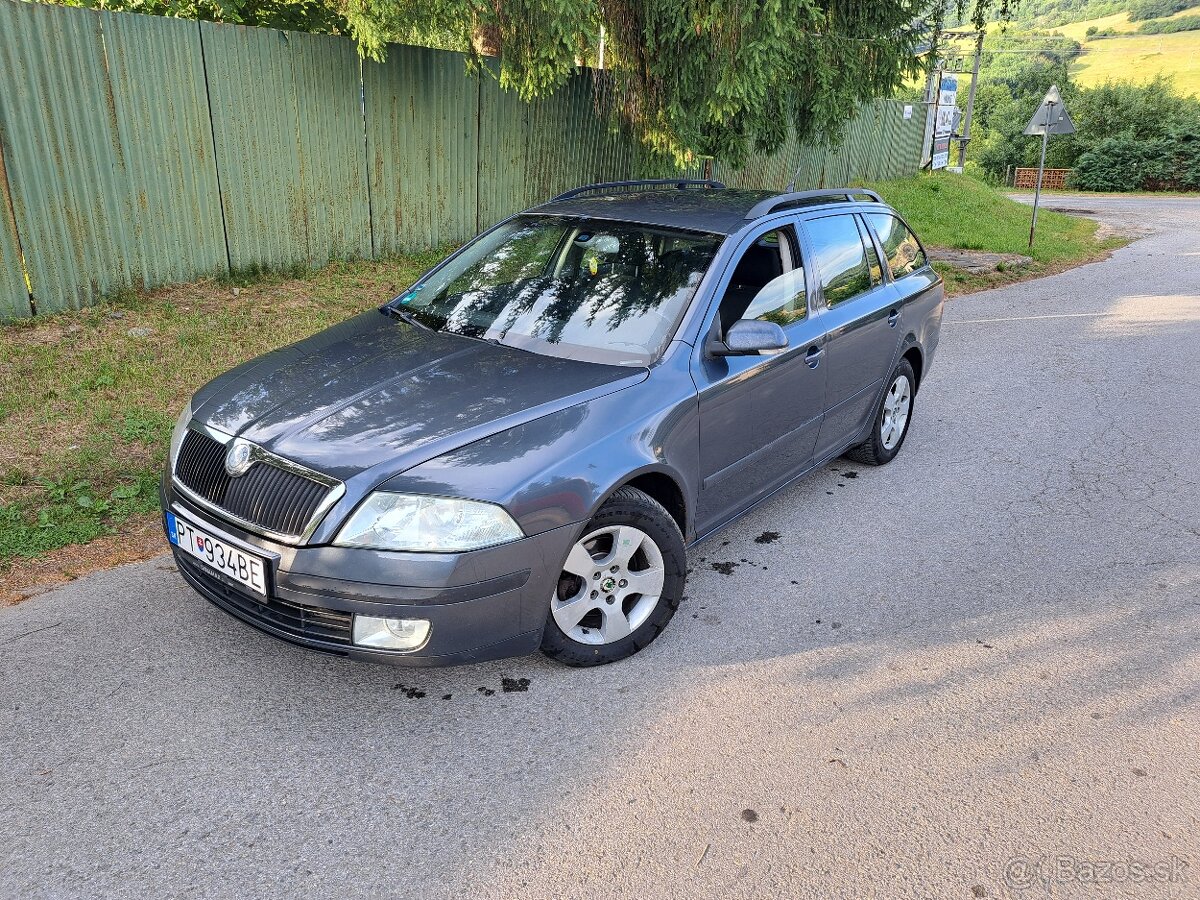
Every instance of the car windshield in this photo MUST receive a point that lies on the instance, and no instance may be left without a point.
(608, 292)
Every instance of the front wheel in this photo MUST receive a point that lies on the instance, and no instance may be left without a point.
(620, 585)
(891, 419)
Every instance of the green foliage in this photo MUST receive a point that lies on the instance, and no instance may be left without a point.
(1117, 164)
(1012, 83)
(1170, 26)
(1140, 10)
(319, 16)
(1126, 163)
(147, 426)
(1048, 13)
(1143, 125)
(712, 78)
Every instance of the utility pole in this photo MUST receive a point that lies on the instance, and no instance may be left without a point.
(966, 133)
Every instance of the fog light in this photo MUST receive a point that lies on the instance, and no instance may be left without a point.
(390, 634)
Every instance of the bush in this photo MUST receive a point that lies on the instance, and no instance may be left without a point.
(1125, 163)
(1170, 26)
(1140, 10)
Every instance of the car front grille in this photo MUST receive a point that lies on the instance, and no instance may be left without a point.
(267, 496)
(305, 623)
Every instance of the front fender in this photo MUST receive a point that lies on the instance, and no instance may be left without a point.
(558, 469)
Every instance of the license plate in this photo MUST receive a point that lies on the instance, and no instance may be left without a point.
(244, 568)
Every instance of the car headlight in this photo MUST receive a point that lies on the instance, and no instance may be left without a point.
(181, 427)
(388, 521)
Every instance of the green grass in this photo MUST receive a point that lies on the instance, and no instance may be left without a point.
(1136, 57)
(961, 212)
(88, 398)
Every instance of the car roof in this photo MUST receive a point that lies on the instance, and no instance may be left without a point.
(715, 211)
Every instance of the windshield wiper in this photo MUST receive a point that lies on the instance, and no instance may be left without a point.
(404, 316)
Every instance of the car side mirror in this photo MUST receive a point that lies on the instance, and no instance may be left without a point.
(749, 336)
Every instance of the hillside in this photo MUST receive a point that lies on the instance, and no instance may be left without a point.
(1131, 56)
(1139, 57)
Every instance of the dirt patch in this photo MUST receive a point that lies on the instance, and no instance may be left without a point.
(139, 539)
(960, 283)
(977, 262)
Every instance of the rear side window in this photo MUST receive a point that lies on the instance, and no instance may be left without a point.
(904, 253)
(841, 258)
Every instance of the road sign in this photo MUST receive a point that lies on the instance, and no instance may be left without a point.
(1051, 112)
(1050, 118)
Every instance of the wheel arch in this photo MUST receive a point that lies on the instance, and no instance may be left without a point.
(660, 484)
(916, 359)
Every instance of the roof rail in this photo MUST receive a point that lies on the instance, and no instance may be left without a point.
(645, 184)
(845, 195)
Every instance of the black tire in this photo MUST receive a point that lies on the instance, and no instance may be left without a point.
(873, 451)
(627, 506)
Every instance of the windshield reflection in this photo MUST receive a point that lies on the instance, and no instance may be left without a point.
(607, 292)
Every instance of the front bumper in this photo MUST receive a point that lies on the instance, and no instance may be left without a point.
(484, 604)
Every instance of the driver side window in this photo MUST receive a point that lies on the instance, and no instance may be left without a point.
(768, 282)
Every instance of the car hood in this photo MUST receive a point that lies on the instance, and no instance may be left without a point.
(378, 392)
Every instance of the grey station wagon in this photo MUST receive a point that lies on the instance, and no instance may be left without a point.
(516, 451)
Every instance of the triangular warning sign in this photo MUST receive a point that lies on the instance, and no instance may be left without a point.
(1051, 113)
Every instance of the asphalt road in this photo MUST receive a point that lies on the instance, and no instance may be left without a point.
(983, 655)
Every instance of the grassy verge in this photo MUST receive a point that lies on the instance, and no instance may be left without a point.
(88, 399)
(963, 213)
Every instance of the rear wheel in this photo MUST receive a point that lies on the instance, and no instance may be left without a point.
(891, 419)
(620, 585)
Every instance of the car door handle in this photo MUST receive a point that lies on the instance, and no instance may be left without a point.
(813, 356)
(893, 318)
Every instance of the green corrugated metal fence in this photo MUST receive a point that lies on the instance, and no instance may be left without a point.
(422, 123)
(138, 150)
(287, 121)
(879, 143)
(108, 150)
(14, 296)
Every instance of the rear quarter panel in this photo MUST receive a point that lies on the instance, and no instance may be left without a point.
(924, 300)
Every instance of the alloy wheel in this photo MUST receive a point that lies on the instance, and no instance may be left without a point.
(896, 406)
(611, 582)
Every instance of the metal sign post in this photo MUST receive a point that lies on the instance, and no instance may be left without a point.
(1050, 118)
(1037, 191)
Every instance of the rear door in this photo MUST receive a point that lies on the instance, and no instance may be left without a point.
(759, 415)
(860, 314)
